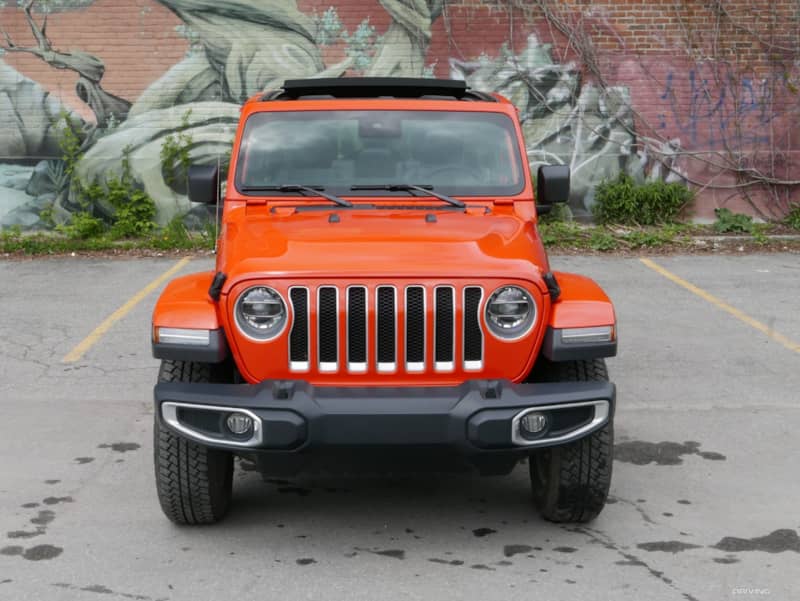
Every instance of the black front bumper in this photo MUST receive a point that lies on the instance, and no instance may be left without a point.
(295, 417)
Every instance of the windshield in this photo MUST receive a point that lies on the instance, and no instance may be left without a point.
(458, 153)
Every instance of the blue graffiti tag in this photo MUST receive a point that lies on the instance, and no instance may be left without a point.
(730, 115)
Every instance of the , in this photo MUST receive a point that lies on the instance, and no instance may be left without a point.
(381, 296)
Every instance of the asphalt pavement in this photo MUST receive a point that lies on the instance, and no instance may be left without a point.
(704, 498)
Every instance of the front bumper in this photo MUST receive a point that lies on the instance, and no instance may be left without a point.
(293, 417)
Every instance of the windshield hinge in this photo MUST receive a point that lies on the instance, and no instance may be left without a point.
(216, 285)
(552, 286)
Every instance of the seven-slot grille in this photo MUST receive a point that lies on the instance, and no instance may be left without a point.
(399, 315)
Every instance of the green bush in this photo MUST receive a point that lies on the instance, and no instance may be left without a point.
(82, 226)
(559, 213)
(134, 210)
(793, 218)
(623, 201)
(728, 221)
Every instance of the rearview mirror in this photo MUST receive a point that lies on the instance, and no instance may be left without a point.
(552, 186)
(204, 184)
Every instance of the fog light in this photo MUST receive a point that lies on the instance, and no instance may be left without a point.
(239, 423)
(532, 424)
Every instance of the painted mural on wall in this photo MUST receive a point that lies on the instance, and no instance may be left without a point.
(242, 47)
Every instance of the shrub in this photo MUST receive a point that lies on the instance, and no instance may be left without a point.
(728, 221)
(623, 201)
(82, 225)
(793, 218)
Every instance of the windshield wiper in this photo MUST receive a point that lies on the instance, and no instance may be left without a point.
(425, 189)
(315, 190)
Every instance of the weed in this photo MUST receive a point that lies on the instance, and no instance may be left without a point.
(82, 226)
(175, 156)
(602, 241)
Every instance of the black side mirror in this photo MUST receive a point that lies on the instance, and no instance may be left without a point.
(552, 186)
(204, 184)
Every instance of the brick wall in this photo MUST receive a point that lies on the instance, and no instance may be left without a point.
(718, 80)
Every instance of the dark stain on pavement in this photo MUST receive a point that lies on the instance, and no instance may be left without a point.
(21, 534)
(42, 553)
(83, 460)
(51, 482)
(98, 588)
(640, 452)
(565, 549)
(306, 561)
(57, 500)
(481, 532)
(30, 505)
(45, 517)
(511, 550)
(449, 562)
(481, 566)
(667, 546)
(37, 553)
(777, 541)
(632, 560)
(726, 560)
(393, 553)
(120, 447)
(684, 502)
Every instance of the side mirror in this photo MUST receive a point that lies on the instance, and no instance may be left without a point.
(204, 184)
(552, 186)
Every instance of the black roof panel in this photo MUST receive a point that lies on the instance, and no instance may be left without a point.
(376, 87)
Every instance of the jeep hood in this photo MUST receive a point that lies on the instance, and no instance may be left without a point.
(380, 243)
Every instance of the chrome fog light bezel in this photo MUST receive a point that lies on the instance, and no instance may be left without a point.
(169, 413)
(602, 413)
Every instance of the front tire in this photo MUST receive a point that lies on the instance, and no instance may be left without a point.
(194, 482)
(570, 482)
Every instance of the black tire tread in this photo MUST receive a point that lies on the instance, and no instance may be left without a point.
(193, 481)
(578, 474)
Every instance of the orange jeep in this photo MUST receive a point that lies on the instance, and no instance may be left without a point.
(382, 297)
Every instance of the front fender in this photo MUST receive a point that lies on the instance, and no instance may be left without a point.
(582, 304)
(185, 304)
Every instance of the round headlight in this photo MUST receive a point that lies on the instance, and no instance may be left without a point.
(510, 312)
(260, 313)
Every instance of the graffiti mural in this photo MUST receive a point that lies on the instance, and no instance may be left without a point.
(237, 48)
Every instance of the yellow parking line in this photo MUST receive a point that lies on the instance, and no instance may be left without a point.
(88, 342)
(720, 304)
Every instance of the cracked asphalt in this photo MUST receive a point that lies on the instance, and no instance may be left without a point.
(704, 499)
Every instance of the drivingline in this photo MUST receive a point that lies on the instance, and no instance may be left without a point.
(88, 342)
(720, 304)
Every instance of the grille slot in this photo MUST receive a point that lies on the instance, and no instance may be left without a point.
(415, 329)
(357, 329)
(298, 337)
(386, 328)
(473, 335)
(444, 332)
(412, 329)
(328, 328)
